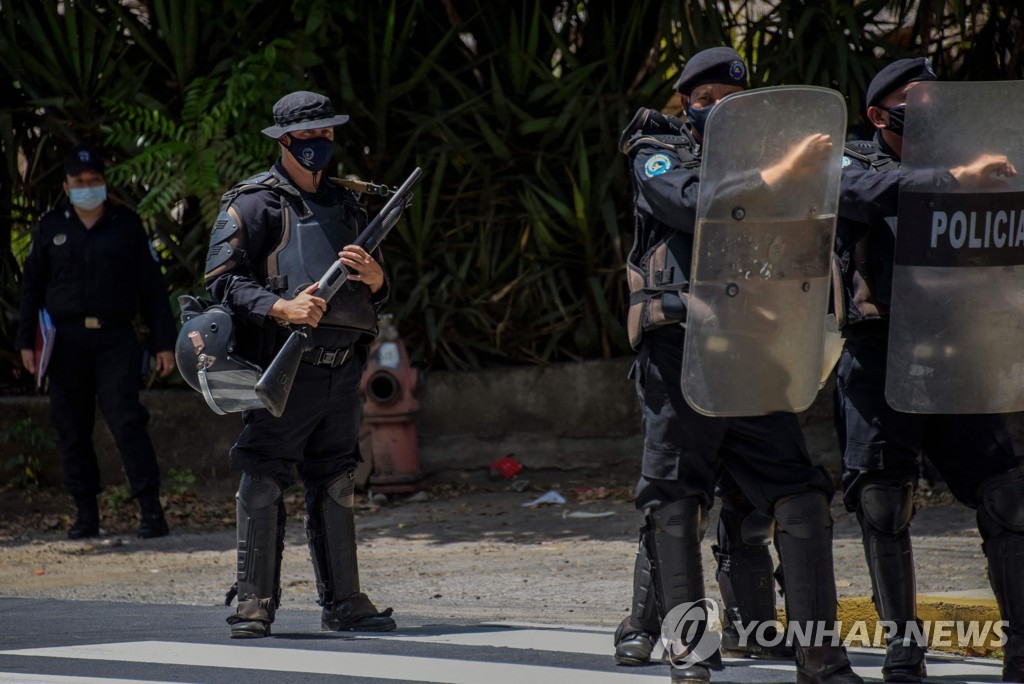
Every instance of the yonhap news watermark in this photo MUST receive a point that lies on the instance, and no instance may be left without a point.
(967, 634)
(691, 633)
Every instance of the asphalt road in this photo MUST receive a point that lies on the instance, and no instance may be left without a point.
(86, 642)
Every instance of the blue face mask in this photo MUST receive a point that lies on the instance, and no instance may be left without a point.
(313, 154)
(88, 199)
(697, 117)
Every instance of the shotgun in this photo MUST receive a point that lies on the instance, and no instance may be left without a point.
(275, 384)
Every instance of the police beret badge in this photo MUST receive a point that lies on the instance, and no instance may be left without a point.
(737, 70)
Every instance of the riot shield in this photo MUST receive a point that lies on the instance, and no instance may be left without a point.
(956, 335)
(755, 326)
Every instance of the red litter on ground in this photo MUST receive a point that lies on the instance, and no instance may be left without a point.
(505, 467)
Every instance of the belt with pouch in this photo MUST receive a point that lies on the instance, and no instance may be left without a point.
(332, 358)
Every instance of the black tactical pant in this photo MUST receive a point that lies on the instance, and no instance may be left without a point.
(882, 445)
(105, 364)
(317, 435)
(684, 451)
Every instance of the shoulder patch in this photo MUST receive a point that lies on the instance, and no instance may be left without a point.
(846, 161)
(657, 165)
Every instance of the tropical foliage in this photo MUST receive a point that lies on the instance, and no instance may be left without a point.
(513, 250)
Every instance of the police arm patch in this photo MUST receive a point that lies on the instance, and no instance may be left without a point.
(657, 165)
(846, 161)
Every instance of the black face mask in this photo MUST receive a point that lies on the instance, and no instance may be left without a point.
(313, 154)
(896, 116)
(697, 117)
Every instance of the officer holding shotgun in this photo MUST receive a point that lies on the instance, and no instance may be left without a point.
(277, 233)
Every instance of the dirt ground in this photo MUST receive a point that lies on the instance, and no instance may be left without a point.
(470, 550)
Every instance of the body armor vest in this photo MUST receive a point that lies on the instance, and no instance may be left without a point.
(311, 237)
(658, 273)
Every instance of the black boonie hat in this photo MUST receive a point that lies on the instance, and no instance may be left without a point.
(898, 74)
(83, 158)
(714, 65)
(302, 110)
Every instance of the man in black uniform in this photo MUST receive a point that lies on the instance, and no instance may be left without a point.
(276, 234)
(683, 450)
(881, 446)
(91, 266)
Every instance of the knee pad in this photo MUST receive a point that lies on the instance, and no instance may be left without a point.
(885, 507)
(256, 493)
(670, 517)
(342, 491)
(803, 515)
(1001, 507)
(741, 523)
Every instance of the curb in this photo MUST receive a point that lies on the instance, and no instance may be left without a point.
(941, 615)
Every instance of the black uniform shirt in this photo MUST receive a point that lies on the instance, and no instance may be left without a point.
(666, 200)
(866, 227)
(667, 184)
(242, 288)
(109, 272)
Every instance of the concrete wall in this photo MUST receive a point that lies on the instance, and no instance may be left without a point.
(575, 416)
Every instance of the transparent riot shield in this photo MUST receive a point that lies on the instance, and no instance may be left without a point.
(756, 314)
(956, 335)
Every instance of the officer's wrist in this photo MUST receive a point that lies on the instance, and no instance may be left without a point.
(279, 312)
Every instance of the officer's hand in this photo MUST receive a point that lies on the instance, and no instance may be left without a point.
(804, 160)
(987, 171)
(305, 309)
(164, 363)
(28, 359)
(362, 267)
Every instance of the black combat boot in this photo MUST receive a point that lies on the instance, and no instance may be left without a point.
(904, 659)
(151, 520)
(637, 634)
(87, 519)
(331, 532)
(804, 533)
(1013, 658)
(633, 646)
(824, 665)
(260, 532)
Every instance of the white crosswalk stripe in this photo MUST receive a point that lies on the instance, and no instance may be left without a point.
(19, 678)
(449, 670)
(394, 667)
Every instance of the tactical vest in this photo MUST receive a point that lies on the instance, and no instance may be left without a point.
(658, 275)
(857, 290)
(311, 237)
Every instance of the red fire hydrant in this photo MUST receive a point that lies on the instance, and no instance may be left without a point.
(390, 406)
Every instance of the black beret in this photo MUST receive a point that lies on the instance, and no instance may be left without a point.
(714, 65)
(302, 111)
(898, 74)
(82, 158)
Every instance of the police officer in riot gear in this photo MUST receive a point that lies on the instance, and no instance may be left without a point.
(277, 232)
(881, 446)
(684, 450)
(92, 267)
